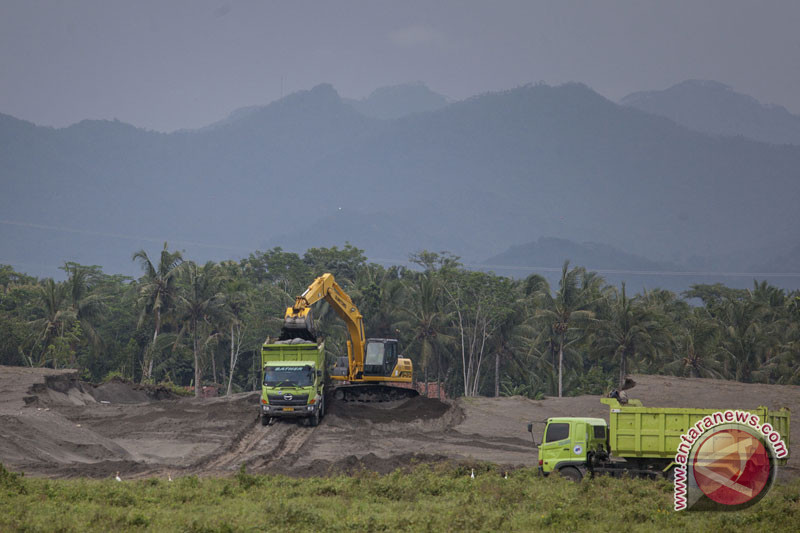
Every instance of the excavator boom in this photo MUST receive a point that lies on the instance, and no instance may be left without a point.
(298, 322)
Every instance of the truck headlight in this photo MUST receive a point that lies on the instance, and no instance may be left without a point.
(310, 407)
(266, 407)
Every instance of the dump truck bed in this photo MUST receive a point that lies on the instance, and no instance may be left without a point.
(293, 352)
(636, 431)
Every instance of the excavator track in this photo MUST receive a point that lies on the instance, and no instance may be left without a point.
(367, 392)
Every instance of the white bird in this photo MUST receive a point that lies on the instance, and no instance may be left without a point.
(117, 477)
(505, 476)
(472, 475)
(169, 476)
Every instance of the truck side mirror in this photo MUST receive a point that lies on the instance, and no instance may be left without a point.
(530, 430)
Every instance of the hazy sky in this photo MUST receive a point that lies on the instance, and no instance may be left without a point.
(167, 65)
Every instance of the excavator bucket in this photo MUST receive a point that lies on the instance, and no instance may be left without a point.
(298, 325)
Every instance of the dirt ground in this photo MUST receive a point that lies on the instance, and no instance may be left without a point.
(53, 425)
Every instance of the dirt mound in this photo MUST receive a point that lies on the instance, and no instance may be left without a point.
(53, 425)
(118, 390)
(42, 437)
(64, 388)
(417, 408)
(60, 389)
(16, 383)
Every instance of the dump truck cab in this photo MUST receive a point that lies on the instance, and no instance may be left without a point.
(293, 383)
(638, 441)
(567, 442)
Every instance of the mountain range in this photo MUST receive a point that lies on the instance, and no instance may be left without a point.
(715, 108)
(473, 177)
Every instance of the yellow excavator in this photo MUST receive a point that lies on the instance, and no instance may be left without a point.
(372, 370)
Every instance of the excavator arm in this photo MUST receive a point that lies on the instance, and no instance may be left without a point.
(298, 322)
(373, 365)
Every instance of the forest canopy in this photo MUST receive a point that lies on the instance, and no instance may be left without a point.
(184, 323)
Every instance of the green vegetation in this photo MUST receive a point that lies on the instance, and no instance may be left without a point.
(477, 333)
(426, 498)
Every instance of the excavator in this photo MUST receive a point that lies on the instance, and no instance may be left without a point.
(371, 367)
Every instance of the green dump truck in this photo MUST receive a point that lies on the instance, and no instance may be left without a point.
(293, 381)
(637, 441)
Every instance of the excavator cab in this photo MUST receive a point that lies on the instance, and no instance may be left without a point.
(380, 357)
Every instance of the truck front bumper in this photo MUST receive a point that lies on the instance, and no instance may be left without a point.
(295, 411)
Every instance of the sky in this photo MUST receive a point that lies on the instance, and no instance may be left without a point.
(183, 64)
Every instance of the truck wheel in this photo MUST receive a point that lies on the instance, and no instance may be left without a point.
(571, 473)
(322, 408)
(313, 421)
(265, 420)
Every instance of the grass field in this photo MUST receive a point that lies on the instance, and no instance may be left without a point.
(427, 498)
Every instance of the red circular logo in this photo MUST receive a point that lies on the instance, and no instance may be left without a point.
(731, 466)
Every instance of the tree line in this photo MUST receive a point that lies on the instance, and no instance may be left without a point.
(473, 332)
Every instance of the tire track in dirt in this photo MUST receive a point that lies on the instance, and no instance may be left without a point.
(287, 448)
(259, 446)
(243, 442)
(239, 450)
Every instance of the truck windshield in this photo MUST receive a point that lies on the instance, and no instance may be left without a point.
(288, 376)
(557, 431)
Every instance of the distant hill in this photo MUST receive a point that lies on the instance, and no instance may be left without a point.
(391, 102)
(474, 177)
(548, 252)
(715, 108)
(398, 101)
(547, 255)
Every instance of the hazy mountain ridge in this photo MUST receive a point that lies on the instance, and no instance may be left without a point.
(549, 252)
(390, 102)
(473, 177)
(715, 108)
(398, 101)
(546, 256)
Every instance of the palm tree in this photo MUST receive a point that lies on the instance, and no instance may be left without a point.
(87, 305)
(427, 320)
(512, 328)
(630, 331)
(201, 306)
(237, 301)
(57, 317)
(569, 311)
(380, 296)
(745, 338)
(505, 337)
(789, 354)
(697, 347)
(157, 293)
